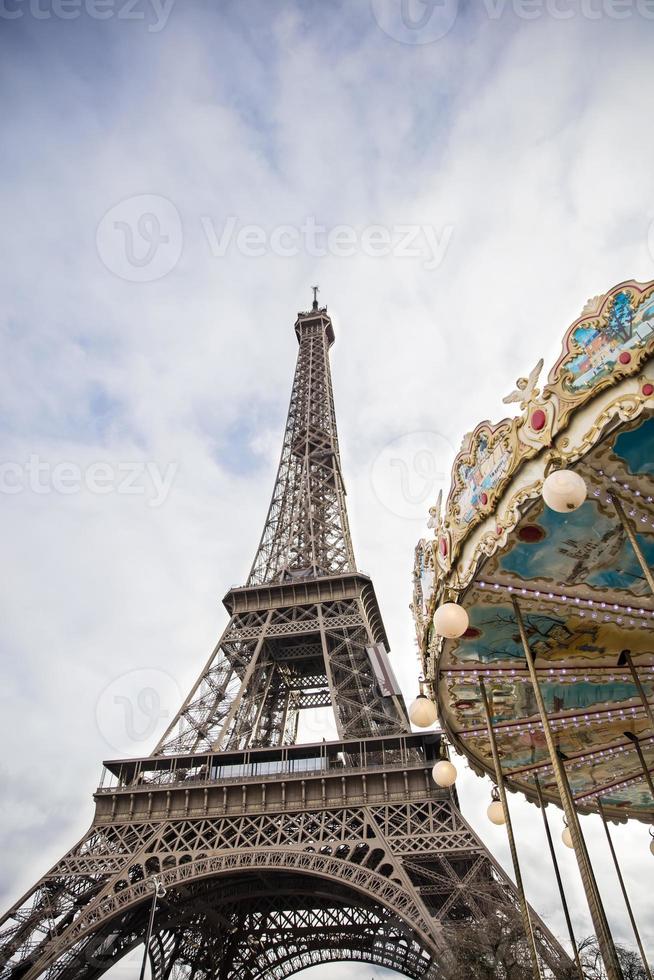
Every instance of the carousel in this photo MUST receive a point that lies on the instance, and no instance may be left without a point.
(534, 599)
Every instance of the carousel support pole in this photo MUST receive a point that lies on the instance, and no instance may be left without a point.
(633, 540)
(618, 872)
(499, 777)
(639, 751)
(159, 892)
(559, 881)
(626, 658)
(593, 897)
(571, 798)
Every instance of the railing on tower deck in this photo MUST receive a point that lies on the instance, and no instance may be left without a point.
(383, 753)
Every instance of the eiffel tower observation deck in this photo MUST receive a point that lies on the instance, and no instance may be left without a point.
(233, 850)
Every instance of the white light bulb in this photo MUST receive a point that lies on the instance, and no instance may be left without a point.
(496, 813)
(566, 837)
(422, 712)
(451, 620)
(444, 773)
(564, 491)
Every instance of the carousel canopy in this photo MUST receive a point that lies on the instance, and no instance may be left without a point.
(580, 583)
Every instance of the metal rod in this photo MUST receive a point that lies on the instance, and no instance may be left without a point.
(641, 756)
(633, 540)
(148, 935)
(524, 908)
(624, 890)
(593, 897)
(583, 839)
(559, 881)
(625, 657)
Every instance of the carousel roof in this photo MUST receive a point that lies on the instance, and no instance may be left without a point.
(583, 594)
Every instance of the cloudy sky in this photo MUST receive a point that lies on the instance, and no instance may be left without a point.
(458, 178)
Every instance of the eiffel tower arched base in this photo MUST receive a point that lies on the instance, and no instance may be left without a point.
(342, 850)
(258, 924)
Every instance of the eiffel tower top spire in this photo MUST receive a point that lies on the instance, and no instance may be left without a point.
(305, 630)
(306, 533)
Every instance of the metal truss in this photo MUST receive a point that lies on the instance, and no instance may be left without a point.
(275, 856)
(306, 530)
(247, 694)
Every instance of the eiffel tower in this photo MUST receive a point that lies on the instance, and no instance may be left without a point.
(275, 855)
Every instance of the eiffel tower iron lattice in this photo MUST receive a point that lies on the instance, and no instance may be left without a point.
(276, 855)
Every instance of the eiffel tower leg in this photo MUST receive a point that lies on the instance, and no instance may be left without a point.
(47, 911)
(455, 875)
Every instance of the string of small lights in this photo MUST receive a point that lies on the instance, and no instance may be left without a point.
(585, 606)
(561, 721)
(621, 784)
(579, 761)
(566, 674)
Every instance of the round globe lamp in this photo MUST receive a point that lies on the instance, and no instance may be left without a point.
(496, 813)
(564, 491)
(444, 774)
(422, 712)
(451, 620)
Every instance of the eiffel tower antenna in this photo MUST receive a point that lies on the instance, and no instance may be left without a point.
(316, 290)
(266, 855)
